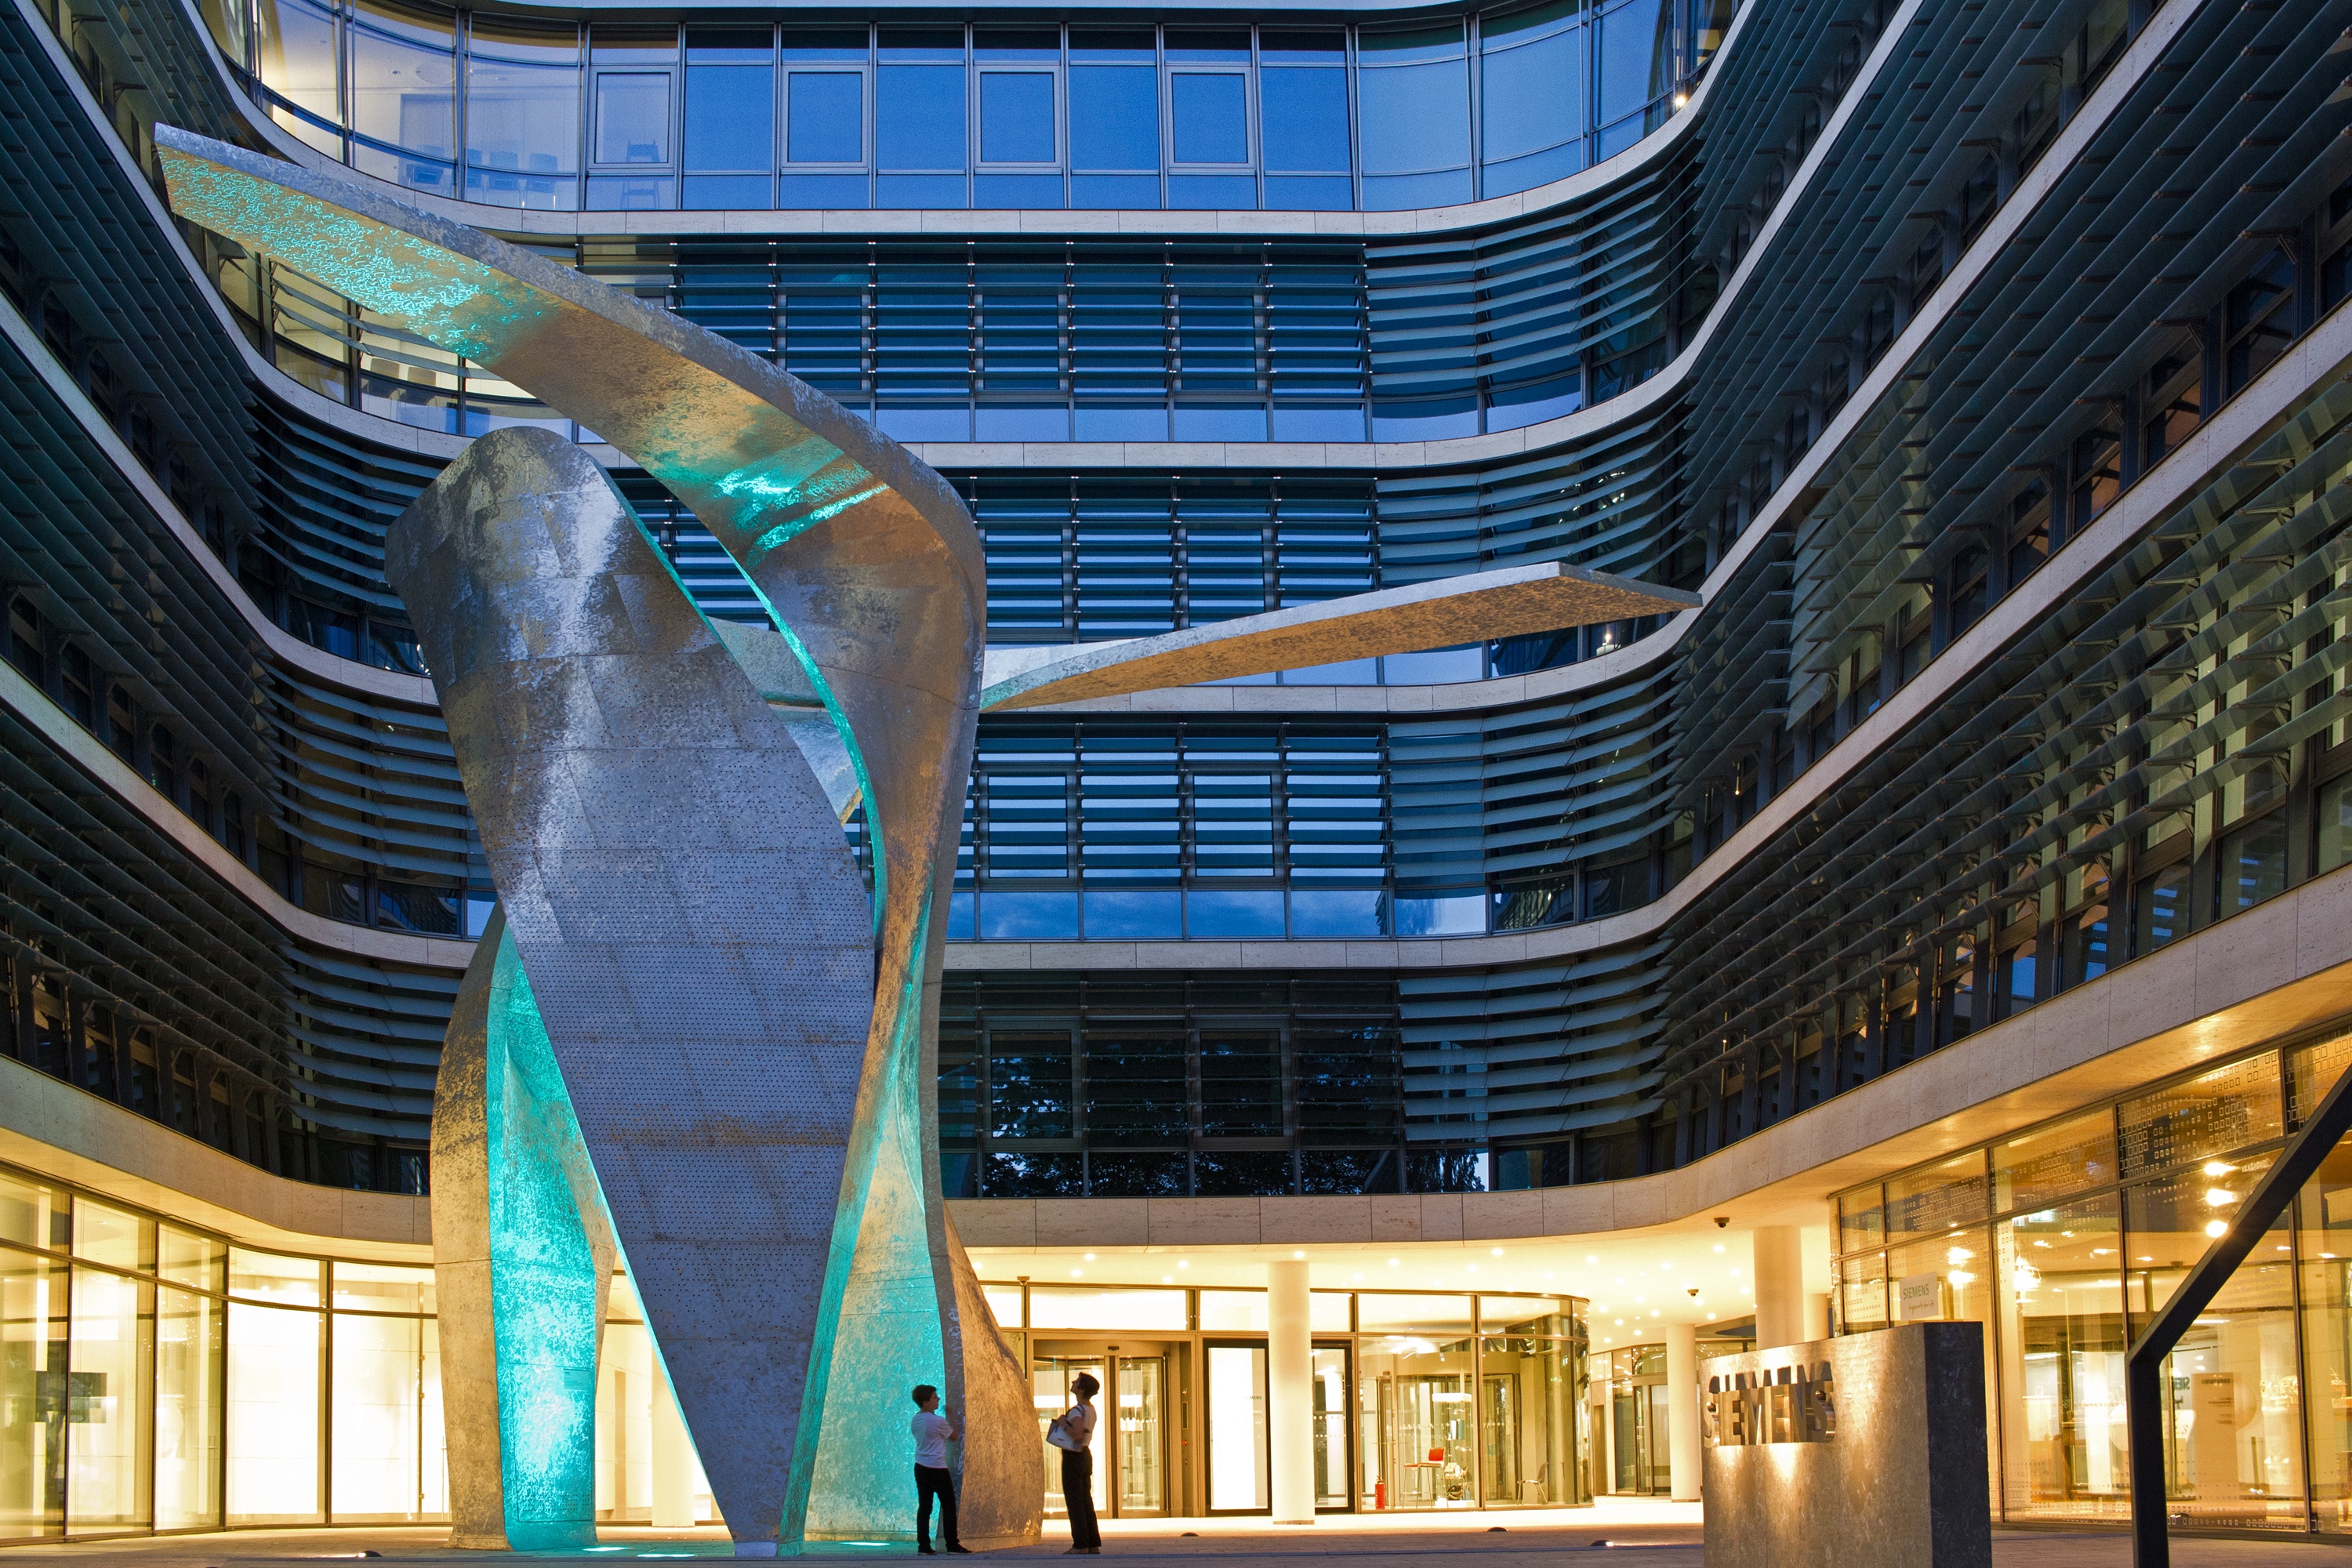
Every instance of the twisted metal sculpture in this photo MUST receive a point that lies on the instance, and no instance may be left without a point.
(692, 1016)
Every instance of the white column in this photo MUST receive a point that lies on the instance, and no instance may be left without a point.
(673, 1460)
(1682, 1409)
(1289, 1393)
(1817, 1315)
(1779, 1274)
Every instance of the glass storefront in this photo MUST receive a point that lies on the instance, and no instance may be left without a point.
(2066, 1240)
(1418, 1400)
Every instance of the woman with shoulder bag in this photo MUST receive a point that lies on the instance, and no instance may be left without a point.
(1073, 1432)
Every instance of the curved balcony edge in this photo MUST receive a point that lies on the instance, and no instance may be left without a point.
(84, 750)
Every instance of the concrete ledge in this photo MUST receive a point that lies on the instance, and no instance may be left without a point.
(2278, 968)
(50, 1127)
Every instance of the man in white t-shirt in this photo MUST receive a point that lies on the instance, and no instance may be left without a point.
(933, 1435)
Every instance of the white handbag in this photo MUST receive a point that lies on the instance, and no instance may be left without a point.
(1059, 1435)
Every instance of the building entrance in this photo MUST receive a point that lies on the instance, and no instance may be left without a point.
(1132, 1424)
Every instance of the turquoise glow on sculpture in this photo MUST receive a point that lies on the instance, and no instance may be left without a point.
(546, 1289)
(888, 1314)
(459, 304)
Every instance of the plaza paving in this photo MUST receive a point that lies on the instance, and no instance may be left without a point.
(1639, 1533)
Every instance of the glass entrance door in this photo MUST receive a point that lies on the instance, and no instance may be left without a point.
(1237, 1452)
(1050, 1378)
(1140, 1454)
(1131, 1444)
(1331, 1383)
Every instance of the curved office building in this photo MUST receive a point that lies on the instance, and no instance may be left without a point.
(1935, 922)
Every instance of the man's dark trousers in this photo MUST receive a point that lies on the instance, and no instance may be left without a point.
(930, 1483)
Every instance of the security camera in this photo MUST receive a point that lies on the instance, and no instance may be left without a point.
(1694, 1292)
(1722, 1220)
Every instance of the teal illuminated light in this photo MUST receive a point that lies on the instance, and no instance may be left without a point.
(546, 1294)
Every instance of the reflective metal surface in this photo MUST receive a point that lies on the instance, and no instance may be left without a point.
(522, 1260)
(871, 568)
(1866, 1449)
(680, 894)
(1510, 601)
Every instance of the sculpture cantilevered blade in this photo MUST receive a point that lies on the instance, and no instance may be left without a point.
(749, 1042)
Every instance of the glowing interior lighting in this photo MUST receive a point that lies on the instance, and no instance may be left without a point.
(2217, 1227)
(2218, 1168)
(2219, 1198)
(1090, 1257)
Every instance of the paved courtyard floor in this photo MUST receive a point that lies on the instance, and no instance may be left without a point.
(1635, 1533)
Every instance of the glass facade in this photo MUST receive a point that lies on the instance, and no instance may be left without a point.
(632, 117)
(1420, 1402)
(2064, 1239)
(155, 1378)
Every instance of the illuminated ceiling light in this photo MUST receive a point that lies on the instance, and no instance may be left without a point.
(1718, 1247)
(1591, 1258)
(1078, 1273)
(2218, 1168)
(1183, 1263)
(1498, 1252)
(1090, 1257)
(1298, 1257)
(2219, 1198)
(1168, 1279)
(2219, 1227)
(1392, 1262)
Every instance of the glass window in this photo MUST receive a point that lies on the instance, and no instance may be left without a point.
(383, 1288)
(2032, 1171)
(1114, 115)
(730, 107)
(2062, 1338)
(2335, 823)
(188, 1405)
(1862, 1303)
(2231, 1384)
(1237, 1438)
(1531, 82)
(918, 116)
(2160, 908)
(404, 84)
(264, 1275)
(2312, 1071)
(633, 117)
(32, 1439)
(1016, 117)
(1209, 112)
(1861, 1219)
(385, 1383)
(1377, 1311)
(1637, 57)
(1415, 115)
(104, 1233)
(1076, 1307)
(2325, 1213)
(187, 1258)
(522, 114)
(273, 1413)
(1928, 1201)
(2252, 865)
(108, 1399)
(2228, 1109)
(827, 123)
(32, 1213)
(295, 56)
(1233, 1310)
(1414, 1411)
(1303, 114)
(1004, 1304)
